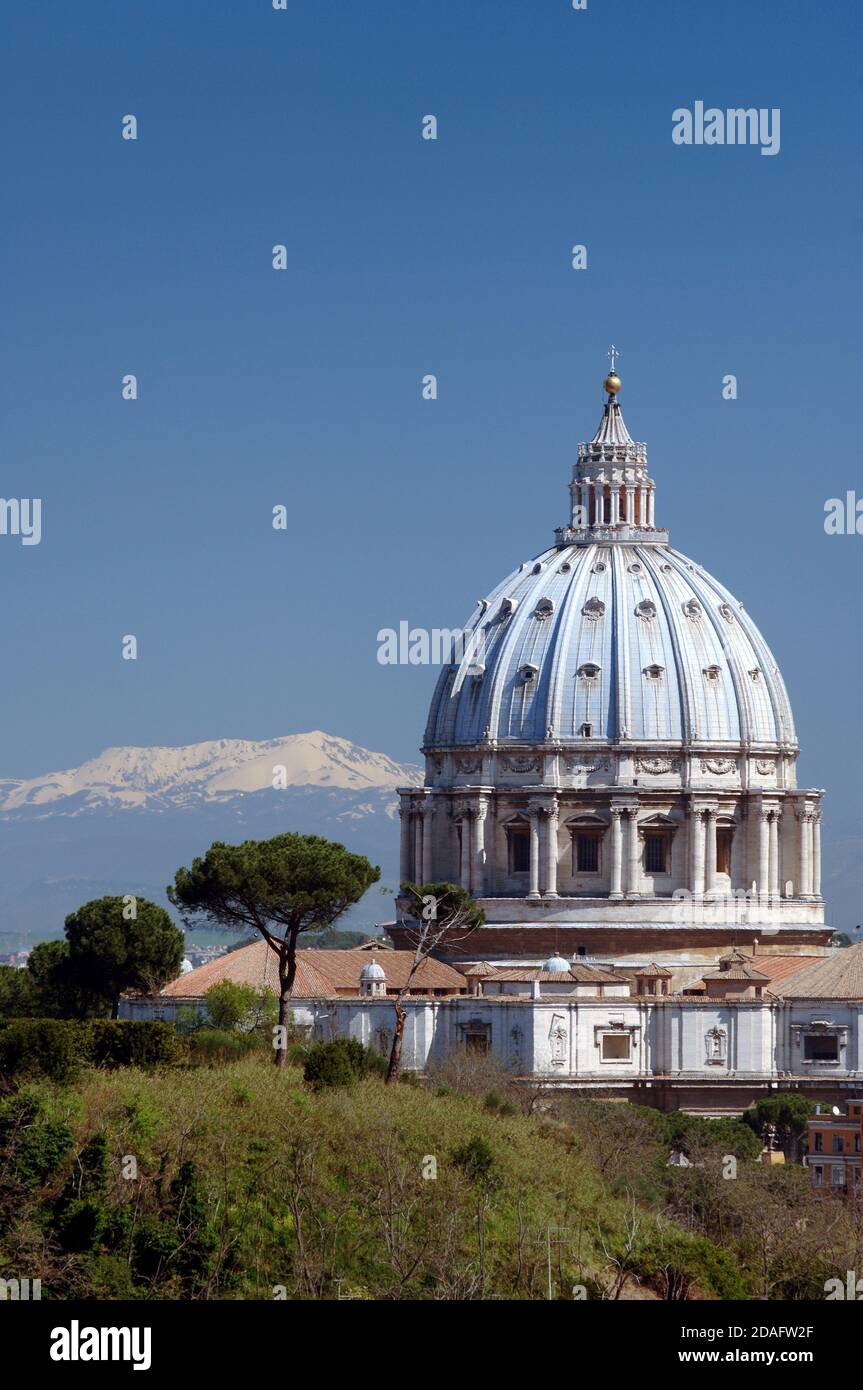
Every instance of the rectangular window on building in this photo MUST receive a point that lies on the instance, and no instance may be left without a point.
(723, 849)
(615, 1047)
(820, 1047)
(837, 1175)
(476, 1042)
(857, 1143)
(819, 1142)
(519, 850)
(656, 853)
(817, 1176)
(838, 1144)
(587, 852)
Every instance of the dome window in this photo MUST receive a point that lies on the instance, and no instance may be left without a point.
(565, 567)
(593, 609)
(712, 672)
(538, 567)
(508, 607)
(528, 671)
(599, 567)
(589, 671)
(635, 567)
(544, 608)
(692, 608)
(755, 673)
(646, 610)
(654, 672)
(586, 731)
(726, 612)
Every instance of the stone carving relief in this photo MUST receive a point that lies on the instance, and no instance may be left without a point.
(764, 766)
(656, 767)
(720, 767)
(468, 764)
(522, 764)
(557, 1037)
(580, 765)
(716, 1047)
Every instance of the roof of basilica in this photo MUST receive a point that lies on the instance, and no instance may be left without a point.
(613, 637)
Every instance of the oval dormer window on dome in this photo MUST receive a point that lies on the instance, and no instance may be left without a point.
(528, 671)
(507, 607)
(565, 567)
(593, 609)
(538, 567)
(544, 608)
(646, 609)
(692, 608)
(589, 671)
(654, 672)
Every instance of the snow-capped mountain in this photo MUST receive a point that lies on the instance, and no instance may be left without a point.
(221, 768)
(124, 821)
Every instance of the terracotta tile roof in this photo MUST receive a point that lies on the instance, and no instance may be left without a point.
(837, 976)
(735, 972)
(319, 973)
(653, 972)
(578, 974)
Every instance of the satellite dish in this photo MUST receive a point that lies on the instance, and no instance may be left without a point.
(836, 1110)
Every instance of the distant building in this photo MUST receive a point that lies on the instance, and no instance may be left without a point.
(835, 1149)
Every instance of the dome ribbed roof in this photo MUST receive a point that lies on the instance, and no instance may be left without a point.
(635, 642)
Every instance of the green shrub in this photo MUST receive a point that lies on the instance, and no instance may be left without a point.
(32, 1144)
(341, 1063)
(230, 1005)
(127, 1043)
(57, 1048)
(49, 1047)
(475, 1158)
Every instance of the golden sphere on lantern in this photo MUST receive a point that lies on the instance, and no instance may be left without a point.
(613, 383)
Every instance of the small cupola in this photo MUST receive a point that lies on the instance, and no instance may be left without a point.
(373, 980)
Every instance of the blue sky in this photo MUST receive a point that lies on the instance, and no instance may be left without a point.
(406, 257)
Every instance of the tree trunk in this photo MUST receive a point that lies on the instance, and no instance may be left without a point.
(396, 1050)
(287, 975)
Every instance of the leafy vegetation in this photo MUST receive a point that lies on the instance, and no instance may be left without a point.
(321, 1181)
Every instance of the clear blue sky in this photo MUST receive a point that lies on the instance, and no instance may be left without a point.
(406, 257)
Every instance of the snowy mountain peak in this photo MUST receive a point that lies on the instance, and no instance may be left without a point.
(211, 771)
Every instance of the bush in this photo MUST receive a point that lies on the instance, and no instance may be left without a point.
(57, 1048)
(32, 1144)
(51, 1047)
(230, 1005)
(123, 1043)
(341, 1063)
